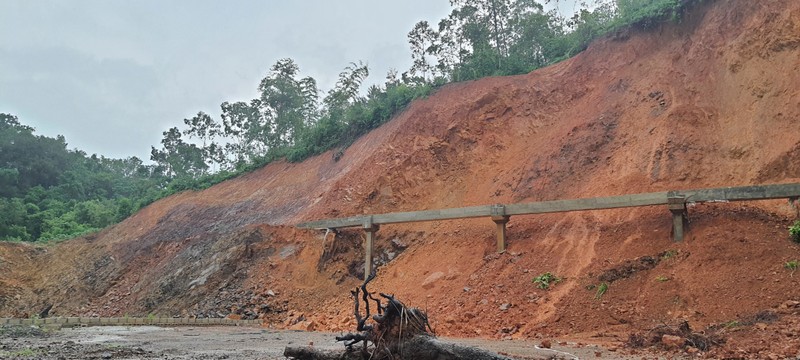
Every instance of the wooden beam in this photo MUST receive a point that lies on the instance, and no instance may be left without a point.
(611, 202)
(740, 193)
(501, 222)
(402, 217)
(677, 206)
(370, 229)
(755, 192)
(500, 219)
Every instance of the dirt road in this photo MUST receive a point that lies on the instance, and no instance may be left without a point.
(151, 342)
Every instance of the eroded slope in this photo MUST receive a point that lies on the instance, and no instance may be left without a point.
(712, 101)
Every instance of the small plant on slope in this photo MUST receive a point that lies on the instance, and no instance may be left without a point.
(544, 281)
(792, 266)
(794, 231)
(601, 290)
(669, 254)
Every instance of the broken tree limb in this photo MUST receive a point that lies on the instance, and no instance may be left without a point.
(398, 332)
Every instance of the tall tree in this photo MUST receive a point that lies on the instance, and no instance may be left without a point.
(178, 158)
(288, 101)
(243, 123)
(422, 39)
(203, 127)
(345, 92)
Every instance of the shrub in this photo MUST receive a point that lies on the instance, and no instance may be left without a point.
(544, 281)
(601, 290)
(791, 265)
(794, 231)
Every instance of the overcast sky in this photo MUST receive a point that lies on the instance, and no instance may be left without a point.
(111, 75)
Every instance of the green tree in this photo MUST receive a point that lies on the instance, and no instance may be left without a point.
(13, 216)
(422, 39)
(178, 158)
(288, 101)
(345, 92)
(203, 127)
(242, 122)
(29, 160)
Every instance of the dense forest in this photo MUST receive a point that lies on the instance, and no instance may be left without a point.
(49, 192)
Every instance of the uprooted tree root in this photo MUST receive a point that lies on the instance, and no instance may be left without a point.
(683, 337)
(398, 332)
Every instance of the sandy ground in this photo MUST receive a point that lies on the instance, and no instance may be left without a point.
(151, 342)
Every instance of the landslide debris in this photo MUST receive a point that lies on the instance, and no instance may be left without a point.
(711, 101)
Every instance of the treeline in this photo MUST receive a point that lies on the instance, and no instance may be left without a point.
(292, 118)
(49, 192)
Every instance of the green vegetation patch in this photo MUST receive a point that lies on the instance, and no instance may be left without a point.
(544, 281)
(794, 231)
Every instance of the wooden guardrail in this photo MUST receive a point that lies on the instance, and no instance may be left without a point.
(756, 192)
(499, 213)
(124, 321)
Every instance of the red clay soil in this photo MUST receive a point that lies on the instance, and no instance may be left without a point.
(711, 101)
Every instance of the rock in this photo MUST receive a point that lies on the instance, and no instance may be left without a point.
(398, 244)
(270, 293)
(467, 289)
(692, 350)
(789, 304)
(505, 306)
(429, 282)
(106, 355)
(306, 325)
(672, 341)
(546, 344)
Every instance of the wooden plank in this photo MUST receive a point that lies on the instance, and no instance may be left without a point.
(611, 202)
(430, 215)
(333, 223)
(401, 217)
(739, 193)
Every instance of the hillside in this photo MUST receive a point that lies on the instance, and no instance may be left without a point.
(711, 101)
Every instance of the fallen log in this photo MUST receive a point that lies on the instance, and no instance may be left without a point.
(398, 332)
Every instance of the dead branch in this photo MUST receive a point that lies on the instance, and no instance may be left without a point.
(398, 332)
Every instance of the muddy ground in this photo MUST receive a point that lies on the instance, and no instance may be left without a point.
(152, 342)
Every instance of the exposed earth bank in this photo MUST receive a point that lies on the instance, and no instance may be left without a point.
(711, 101)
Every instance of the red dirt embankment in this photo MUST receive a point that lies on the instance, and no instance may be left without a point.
(711, 101)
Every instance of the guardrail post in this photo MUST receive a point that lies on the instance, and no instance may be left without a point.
(677, 206)
(370, 229)
(500, 219)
